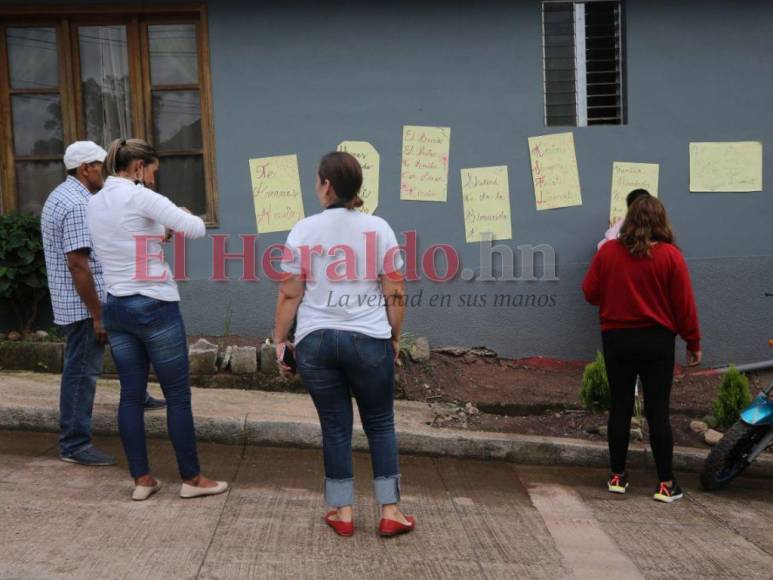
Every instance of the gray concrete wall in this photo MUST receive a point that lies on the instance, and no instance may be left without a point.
(299, 77)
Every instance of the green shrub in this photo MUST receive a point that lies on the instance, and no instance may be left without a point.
(23, 282)
(732, 398)
(595, 386)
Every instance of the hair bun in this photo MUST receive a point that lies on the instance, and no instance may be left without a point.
(358, 201)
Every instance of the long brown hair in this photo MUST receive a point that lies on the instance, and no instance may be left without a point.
(344, 173)
(645, 223)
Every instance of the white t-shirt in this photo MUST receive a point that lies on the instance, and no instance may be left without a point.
(343, 291)
(119, 213)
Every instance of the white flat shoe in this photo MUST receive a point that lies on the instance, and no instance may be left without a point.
(189, 491)
(143, 492)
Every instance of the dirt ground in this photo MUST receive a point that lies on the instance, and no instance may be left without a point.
(539, 396)
(535, 396)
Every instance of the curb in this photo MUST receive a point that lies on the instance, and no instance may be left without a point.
(524, 449)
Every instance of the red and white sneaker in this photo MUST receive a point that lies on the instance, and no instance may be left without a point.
(668, 493)
(617, 483)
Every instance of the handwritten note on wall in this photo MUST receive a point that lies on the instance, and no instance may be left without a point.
(554, 171)
(726, 166)
(625, 178)
(276, 191)
(369, 160)
(486, 198)
(424, 174)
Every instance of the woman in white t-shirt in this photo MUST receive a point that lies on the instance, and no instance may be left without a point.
(344, 284)
(141, 313)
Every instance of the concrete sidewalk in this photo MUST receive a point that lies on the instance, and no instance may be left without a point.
(476, 519)
(29, 402)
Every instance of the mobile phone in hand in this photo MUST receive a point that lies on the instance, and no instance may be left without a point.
(288, 359)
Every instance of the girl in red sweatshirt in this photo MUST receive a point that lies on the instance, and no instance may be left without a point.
(642, 287)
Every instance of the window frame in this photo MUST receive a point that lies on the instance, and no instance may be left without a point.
(581, 105)
(66, 21)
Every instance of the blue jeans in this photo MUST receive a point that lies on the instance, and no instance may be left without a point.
(334, 365)
(83, 357)
(146, 331)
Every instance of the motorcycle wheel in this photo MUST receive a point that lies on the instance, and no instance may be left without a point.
(728, 458)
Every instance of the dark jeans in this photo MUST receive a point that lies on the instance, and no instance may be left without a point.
(146, 331)
(648, 352)
(334, 365)
(83, 357)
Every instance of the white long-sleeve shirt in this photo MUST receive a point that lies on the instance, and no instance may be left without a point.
(611, 234)
(118, 216)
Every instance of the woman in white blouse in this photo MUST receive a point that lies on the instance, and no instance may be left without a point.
(128, 223)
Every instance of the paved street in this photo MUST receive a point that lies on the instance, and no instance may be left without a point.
(476, 520)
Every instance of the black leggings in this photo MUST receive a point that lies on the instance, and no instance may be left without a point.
(648, 353)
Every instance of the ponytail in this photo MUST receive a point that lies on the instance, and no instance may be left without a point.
(122, 152)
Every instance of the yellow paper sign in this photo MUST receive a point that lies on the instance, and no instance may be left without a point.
(424, 175)
(368, 157)
(486, 198)
(726, 166)
(554, 171)
(276, 191)
(625, 178)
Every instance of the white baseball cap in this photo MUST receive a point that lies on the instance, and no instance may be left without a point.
(82, 152)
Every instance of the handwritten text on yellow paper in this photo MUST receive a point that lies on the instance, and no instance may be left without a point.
(486, 198)
(276, 191)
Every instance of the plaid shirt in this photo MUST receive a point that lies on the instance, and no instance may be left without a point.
(65, 229)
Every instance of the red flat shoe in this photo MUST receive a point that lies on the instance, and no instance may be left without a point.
(345, 529)
(388, 528)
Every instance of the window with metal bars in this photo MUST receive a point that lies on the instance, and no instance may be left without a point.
(582, 45)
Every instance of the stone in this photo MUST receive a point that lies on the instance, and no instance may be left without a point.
(603, 430)
(268, 364)
(452, 350)
(712, 437)
(698, 427)
(419, 350)
(471, 409)
(226, 358)
(635, 423)
(203, 357)
(483, 351)
(637, 434)
(41, 334)
(244, 360)
(14, 335)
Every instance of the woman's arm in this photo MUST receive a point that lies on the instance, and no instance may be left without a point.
(291, 291)
(683, 302)
(393, 287)
(157, 207)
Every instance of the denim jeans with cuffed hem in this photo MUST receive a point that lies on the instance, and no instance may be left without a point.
(334, 366)
(83, 357)
(145, 331)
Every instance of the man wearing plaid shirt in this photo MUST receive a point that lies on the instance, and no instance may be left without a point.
(76, 285)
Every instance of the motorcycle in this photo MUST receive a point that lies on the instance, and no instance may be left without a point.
(743, 442)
